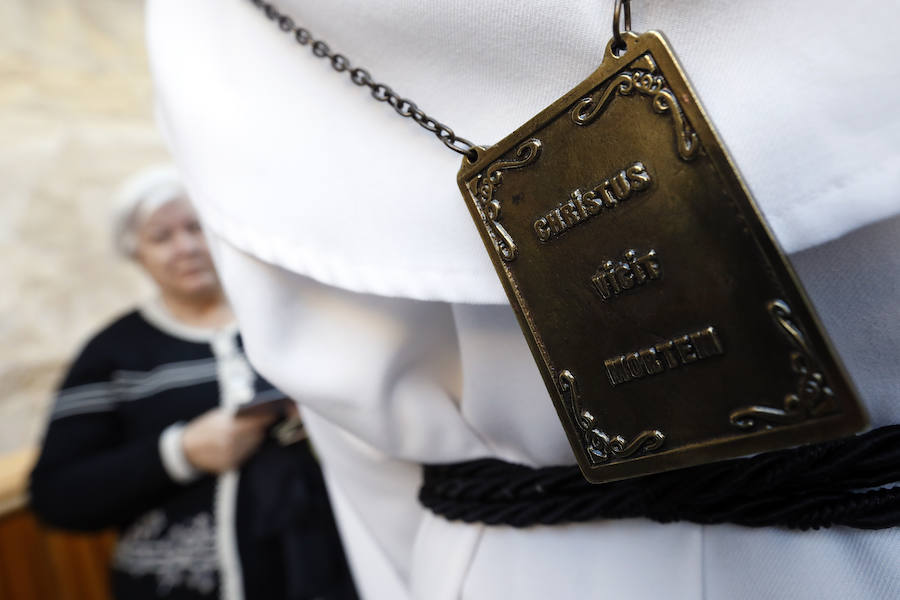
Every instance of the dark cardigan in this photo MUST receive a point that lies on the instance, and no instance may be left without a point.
(101, 467)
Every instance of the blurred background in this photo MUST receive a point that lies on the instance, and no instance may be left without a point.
(75, 120)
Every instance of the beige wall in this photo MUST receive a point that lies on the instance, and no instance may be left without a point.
(75, 119)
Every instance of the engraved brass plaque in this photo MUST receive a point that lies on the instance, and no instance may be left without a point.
(668, 326)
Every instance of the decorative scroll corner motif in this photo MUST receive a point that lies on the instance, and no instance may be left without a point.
(641, 76)
(598, 446)
(812, 398)
(486, 184)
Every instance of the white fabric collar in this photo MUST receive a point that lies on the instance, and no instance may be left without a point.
(157, 314)
(292, 163)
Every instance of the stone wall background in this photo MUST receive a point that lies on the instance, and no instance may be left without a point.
(75, 120)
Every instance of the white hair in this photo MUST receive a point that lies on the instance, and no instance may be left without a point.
(138, 198)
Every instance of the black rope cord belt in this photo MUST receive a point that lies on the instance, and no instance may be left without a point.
(802, 488)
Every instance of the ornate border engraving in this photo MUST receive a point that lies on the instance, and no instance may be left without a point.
(487, 183)
(644, 79)
(813, 397)
(598, 446)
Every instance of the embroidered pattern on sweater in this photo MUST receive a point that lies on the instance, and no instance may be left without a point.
(184, 555)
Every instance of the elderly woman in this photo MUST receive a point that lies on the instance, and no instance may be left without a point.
(147, 435)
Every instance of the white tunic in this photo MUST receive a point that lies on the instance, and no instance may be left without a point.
(363, 290)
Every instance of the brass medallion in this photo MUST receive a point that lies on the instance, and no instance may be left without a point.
(668, 325)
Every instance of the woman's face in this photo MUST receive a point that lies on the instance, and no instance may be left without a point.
(171, 247)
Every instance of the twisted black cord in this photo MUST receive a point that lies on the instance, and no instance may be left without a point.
(802, 488)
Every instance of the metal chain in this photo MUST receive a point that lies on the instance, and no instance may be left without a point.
(618, 42)
(380, 91)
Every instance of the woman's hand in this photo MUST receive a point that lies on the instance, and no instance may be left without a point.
(216, 441)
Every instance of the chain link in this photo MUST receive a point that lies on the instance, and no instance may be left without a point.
(618, 42)
(361, 77)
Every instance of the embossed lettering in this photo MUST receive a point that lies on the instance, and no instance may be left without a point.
(609, 201)
(542, 228)
(651, 361)
(576, 198)
(605, 282)
(581, 205)
(706, 343)
(638, 176)
(589, 200)
(635, 365)
(677, 352)
(612, 278)
(668, 352)
(685, 349)
(570, 213)
(648, 264)
(621, 186)
(557, 225)
(615, 369)
(624, 276)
